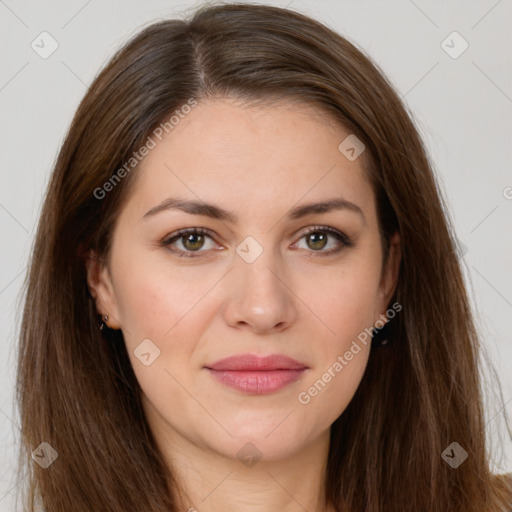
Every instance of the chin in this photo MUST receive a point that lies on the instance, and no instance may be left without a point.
(258, 443)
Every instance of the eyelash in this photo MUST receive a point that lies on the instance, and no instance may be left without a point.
(341, 237)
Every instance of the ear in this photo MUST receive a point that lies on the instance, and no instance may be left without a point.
(101, 288)
(389, 278)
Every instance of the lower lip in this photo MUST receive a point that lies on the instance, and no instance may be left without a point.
(257, 382)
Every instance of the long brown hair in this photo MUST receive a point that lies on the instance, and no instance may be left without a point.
(76, 388)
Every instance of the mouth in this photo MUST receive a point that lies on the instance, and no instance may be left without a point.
(257, 375)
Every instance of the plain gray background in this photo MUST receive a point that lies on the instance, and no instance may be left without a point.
(461, 104)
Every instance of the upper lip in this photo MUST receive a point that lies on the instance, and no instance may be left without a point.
(248, 362)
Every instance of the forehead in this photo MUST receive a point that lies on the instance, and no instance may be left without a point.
(251, 159)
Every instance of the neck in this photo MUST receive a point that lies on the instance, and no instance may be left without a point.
(210, 481)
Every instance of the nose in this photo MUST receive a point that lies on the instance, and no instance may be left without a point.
(259, 298)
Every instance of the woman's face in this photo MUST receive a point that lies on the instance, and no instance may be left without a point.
(252, 283)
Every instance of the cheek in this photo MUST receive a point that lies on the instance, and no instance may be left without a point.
(345, 298)
(342, 355)
(170, 311)
(345, 301)
(156, 300)
(329, 394)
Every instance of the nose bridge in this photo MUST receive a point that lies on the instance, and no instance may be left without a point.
(262, 298)
(258, 266)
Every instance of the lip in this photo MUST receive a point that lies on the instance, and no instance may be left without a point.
(248, 362)
(257, 375)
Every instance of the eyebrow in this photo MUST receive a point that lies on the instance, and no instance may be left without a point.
(215, 212)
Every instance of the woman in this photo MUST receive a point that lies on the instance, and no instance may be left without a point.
(245, 204)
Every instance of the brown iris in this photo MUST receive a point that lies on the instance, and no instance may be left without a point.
(318, 240)
(193, 241)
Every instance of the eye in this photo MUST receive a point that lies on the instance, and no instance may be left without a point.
(192, 240)
(317, 238)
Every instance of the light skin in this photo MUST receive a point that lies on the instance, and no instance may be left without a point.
(260, 164)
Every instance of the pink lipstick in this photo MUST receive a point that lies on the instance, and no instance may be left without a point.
(257, 375)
